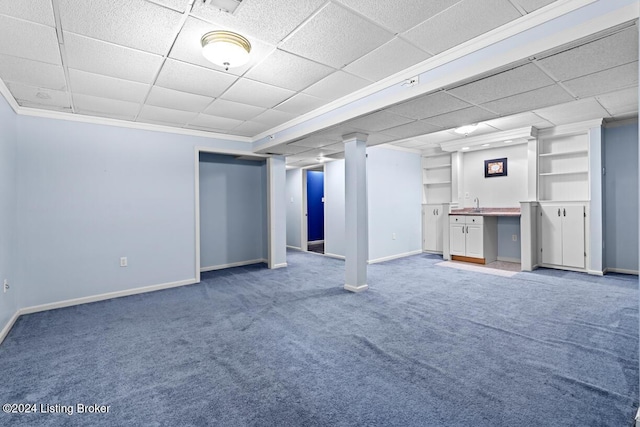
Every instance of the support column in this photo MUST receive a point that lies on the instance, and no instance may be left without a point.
(356, 216)
(277, 211)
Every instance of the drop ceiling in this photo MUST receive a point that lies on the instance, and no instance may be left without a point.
(141, 61)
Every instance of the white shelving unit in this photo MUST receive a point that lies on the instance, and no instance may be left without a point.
(436, 179)
(563, 168)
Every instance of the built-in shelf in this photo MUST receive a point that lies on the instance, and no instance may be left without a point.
(438, 166)
(565, 153)
(563, 173)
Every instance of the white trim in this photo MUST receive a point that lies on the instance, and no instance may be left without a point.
(315, 242)
(519, 136)
(389, 258)
(595, 272)
(563, 267)
(106, 296)
(281, 265)
(294, 247)
(304, 223)
(618, 123)
(426, 251)
(509, 259)
(570, 129)
(233, 264)
(271, 246)
(7, 328)
(356, 289)
(336, 256)
(229, 151)
(390, 146)
(4, 90)
(621, 271)
(196, 187)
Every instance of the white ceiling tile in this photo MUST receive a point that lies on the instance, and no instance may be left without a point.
(623, 101)
(137, 24)
(273, 118)
(288, 71)
(39, 11)
(38, 96)
(112, 60)
(283, 149)
(518, 121)
(461, 117)
(537, 98)
(617, 49)
(429, 106)
(167, 116)
(315, 141)
(336, 86)
(531, 5)
(584, 109)
(300, 104)
(379, 138)
(377, 121)
(107, 87)
(193, 79)
(32, 73)
(28, 104)
(233, 110)
(399, 16)
(169, 98)
(270, 20)
(438, 137)
(604, 81)
(255, 93)
(412, 129)
(188, 47)
(511, 82)
(179, 5)
(336, 36)
(29, 40)
(390, 58)
(320, 152)
(461, 22)
(113, 108)
(213, 122)
(251, 128)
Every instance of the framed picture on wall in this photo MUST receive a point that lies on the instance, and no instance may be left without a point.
(495, 167)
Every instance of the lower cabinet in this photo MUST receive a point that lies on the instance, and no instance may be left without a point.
(432, 224)
(473, 238)
(562, 235)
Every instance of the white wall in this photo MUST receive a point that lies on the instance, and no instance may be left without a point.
(394, 184)
(233, 211)
(294, 208)
(495, 192)
(334, 208)
(89, 194)
(8, 140)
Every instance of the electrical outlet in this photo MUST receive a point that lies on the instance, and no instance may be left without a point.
(5, 285)
(393, 236)
(514, 237)
(123, 261)
(466, 195)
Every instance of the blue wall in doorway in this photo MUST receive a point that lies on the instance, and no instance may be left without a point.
(315, 205)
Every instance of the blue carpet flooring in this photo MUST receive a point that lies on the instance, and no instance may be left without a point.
(424, 346)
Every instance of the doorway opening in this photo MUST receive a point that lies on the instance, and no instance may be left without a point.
(315, 209)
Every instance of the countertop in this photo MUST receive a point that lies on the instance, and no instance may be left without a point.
(487, 211)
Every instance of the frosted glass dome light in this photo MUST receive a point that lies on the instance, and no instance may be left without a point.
(226, 49)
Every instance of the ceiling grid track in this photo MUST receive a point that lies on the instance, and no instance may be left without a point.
(63, 52)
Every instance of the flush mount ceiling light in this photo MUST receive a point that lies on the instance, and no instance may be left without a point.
(226, 49)
(466, 130)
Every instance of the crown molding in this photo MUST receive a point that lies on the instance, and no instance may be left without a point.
(518, 136)
(571, 129)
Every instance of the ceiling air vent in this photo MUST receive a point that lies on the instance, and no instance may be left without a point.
(228, 6)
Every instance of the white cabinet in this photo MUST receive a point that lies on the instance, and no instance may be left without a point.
(563, 163)
(473, 238)
(432, 224)
(562, 235)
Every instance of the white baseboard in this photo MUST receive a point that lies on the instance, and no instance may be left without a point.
(334, 255)
(507, 259)
(389, 258)
(428, 251)
(356, 289)
(7, 328)
(102, 297)
(315, 242)
(294, 247)
(595, 272)
(281, 265)
(622, 271)
(233, 264)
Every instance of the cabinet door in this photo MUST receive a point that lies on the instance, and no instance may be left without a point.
(573, 236)
(551, 234)
(475, 240)
(429, 226)
(439, 220)
(457, 238)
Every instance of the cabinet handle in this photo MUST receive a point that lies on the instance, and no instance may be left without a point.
(564, 212)
(434, 211)
(467, 229)
(437, 210)
(462, 230)
(558, 211)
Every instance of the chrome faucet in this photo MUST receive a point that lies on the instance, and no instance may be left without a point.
(477, 202)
